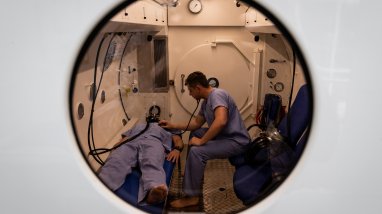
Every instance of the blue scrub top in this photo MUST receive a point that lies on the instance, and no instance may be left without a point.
(235, 128)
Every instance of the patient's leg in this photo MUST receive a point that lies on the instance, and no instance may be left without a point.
(151, 158)
(118, 165)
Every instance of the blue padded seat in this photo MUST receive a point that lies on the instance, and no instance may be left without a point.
(129, 190)
(253, 183)
(299, 117)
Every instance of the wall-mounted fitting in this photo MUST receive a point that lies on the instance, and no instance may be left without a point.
(124, 122)
(170, 3)
(276, 61)
(213, 82)
(182, 77)
(103, 96)
(154, 110)
(271, 73)
(279, 87)
(131, 70)
(257, 38)
(80, 111)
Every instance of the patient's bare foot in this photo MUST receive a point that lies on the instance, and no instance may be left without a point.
(185, 202)
(157, 194)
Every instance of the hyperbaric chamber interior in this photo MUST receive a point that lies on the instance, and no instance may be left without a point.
(142, 52)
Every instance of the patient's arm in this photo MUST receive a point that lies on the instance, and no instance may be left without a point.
(174, 155)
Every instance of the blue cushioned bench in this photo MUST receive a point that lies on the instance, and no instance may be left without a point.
(129, 190)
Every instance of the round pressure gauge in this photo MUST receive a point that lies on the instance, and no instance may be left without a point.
(279, 87)
(195, 6)
(271, 73)
(154, 110)
(213, 82)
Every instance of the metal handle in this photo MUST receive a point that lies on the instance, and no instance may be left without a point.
(182, 90)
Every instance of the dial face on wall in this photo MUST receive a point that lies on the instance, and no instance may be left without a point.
(279, 87)
(213, 82)
(271, 73)
(195, 6)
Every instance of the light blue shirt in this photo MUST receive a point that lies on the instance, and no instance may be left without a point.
(235, 128)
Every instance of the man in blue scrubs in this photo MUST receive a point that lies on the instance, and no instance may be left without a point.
(225, 136)
(148, 151)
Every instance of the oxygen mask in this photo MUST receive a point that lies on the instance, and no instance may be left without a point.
(152, 118)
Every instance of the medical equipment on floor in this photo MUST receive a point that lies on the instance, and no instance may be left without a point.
(272, 155)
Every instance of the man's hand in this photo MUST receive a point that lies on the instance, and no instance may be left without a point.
(173, 156)
(195, 141)
(165, 124)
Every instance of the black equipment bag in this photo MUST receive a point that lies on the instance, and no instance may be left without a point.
(268, 150)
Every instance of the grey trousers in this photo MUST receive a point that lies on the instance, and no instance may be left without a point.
(148, 154)
(198, 156)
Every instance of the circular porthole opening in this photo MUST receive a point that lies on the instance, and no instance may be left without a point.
(141, 53)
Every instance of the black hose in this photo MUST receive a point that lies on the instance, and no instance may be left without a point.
(90, 126)
(192, 115)
(96, 156)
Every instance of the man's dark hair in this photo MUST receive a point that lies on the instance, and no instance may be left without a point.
(196, 78)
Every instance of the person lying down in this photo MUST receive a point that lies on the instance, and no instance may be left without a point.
(148, 151)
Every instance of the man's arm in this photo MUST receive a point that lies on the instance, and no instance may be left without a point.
(221, 118)
(196, 122)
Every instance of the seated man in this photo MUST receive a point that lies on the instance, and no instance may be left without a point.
(148, 151)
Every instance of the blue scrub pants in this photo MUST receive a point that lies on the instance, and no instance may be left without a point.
(148, 154)
(198, 156)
